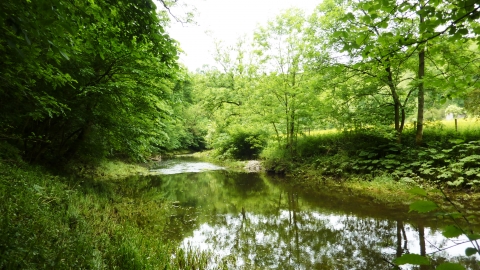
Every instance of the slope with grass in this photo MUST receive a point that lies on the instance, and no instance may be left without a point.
(49, 221)
(448, 157)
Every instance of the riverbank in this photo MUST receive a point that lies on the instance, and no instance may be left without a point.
(102, 219)
(233, 165)
(373, 162)
(115, 215)
(381, 188)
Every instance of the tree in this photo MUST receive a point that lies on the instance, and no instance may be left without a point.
(472, 101)
(372, 57)
(381, 38)
(83, 76)
(431, 16)
(454, 110)
(225, 92)
(283, 47)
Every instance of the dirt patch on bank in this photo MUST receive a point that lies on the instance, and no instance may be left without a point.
(253, 166)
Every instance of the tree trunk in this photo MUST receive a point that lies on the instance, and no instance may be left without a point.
(287, 119)
(423, 249)
(75, 146)
(292, 131)
(277, 134)
(399, 250)
(421, 90)
(398, 109)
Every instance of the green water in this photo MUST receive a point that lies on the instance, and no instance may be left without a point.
(252, 222)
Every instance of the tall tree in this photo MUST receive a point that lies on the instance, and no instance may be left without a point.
(380, 36)
(371, 54)
(283, 46)
(421, 84)
(83, 76)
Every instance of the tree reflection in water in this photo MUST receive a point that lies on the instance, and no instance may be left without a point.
(256, 224)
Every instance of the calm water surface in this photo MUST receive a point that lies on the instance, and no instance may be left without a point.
(253, 222)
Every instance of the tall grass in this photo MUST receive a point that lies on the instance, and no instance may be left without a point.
(54, 222)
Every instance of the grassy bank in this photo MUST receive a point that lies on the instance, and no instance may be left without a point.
(56, 222)
(372, 161)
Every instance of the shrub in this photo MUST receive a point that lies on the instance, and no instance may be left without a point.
(447, 156)
(240, 144)
(9, 152)
(276, 158)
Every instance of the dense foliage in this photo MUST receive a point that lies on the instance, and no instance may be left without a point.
(373, 81)
(370, 68)
(91, 79)
(86, 80)
(451, 157)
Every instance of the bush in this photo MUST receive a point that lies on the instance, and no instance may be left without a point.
(240, 144)
(276, 159)
(447, 156)
(348, 143)
(9, 152)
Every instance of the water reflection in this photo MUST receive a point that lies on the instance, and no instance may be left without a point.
(313, 240)
(257, 224)
(185, 165)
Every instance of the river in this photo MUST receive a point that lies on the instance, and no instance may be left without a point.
(252, 221)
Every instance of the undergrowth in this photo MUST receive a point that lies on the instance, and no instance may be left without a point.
(447, 157)
(54, 222)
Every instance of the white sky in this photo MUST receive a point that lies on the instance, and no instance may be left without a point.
(225, 20)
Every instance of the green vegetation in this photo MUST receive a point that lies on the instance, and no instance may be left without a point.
(461, 226)
(55, 222)
(82, 81)
(239, 145)
(353, 90)
(88, 80)
(343, 95)
(449, 158)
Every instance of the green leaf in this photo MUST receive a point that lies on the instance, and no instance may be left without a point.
(360, 39)
(473, 236)
(417, 191)
(337, 34)
(471, 172)
(363, 153)
(423, 206)
(470, 251)
(450, 266)
(64, 54)
(452, 231)
(350, 16)
(411, 259)
(455, 215)
(457, 182)
(452, 30)
(463, 31)
(26, 37)
(456, 141)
